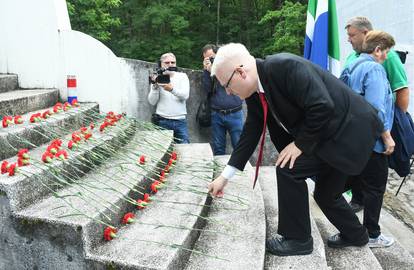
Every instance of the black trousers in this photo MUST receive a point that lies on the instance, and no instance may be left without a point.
(368, 189)
(294, 220)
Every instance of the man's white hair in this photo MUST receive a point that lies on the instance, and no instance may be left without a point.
(168, 54)
(229, 54)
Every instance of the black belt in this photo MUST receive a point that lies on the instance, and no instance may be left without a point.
(228, 111)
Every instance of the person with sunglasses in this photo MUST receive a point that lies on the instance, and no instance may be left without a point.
(320, 128)
(226, 110)
(170, 100)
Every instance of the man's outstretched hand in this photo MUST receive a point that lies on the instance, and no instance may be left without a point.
(289, 154)
(216, 188)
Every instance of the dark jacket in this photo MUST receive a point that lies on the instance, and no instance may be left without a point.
(322, 115)
(219, 98)
(403, 134)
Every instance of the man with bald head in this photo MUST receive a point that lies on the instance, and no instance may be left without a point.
(318, 125)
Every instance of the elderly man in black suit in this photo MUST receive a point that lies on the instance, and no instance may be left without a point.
(320, 128)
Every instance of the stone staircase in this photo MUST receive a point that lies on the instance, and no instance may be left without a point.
(53, 215)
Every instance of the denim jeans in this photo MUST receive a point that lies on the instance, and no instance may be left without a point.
(222, 123)
(179, 126)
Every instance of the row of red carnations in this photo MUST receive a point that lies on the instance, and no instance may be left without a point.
(37, 117)
(110, 232)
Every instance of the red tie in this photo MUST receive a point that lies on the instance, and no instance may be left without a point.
(259, 158)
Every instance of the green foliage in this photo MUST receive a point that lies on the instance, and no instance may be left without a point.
(93, 17)
(289, 29)
(145, 29)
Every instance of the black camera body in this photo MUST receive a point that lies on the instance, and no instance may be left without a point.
(211, 60)
(160, 76)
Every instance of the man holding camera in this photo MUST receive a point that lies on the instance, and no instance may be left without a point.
(169, 91)
(226, 110)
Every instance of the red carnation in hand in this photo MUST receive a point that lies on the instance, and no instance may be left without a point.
(142, 159)
(12, 169)
(62, 155)
(23, 153)
(110, 233)
(128, 218)
(4, 167)
(7, 120)
(18, 119)
(23, 162)
(141, 204)
(47, 157)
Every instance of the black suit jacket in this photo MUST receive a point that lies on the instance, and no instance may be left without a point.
(321, 114)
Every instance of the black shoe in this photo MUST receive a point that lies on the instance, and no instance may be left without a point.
(280, 246)
(337, 241)
(356, 207)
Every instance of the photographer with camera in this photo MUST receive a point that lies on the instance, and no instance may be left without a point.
(226, 110)
(169, 91)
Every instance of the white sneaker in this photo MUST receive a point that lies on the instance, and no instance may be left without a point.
(380, 241)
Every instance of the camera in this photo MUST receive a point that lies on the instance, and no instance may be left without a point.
(211, 60)
(160, 76)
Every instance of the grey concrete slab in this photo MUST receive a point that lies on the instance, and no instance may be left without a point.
(29, 135)
(166, 230)
(344, 258)
(40, 237)
(8, 82)
(23, 101)
(317, 259)
(241, 241)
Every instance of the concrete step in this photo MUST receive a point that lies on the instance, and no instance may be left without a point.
(51, 225)
(316, 260)
(241, 241)
(8, 82)
(29, 135)
(164, 233)
(344, 258)
(34, 181)
(395, 256)
(23, 101)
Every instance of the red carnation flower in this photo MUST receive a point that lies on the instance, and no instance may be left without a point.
(23, 153)
(74, 102)
(57, 107)
(128, 218)
(167, 169)
(66, 106)
(71, 144)
(62, 154)
(174, 155)
(12, 169)
(84, 129)
(161, 179)
(170, 162)
(91, 126)
(47, 157)
(162, 173)
(4, 167)
(147, 197)
(57, 142)
(35, 117)
(155, 186)
(103, 126)
(141, 204)
(52, 149)
(142, 159)
(110, 233)
(46, 114)
(6, 121)
(22, 162)
(87, 136)
(76, 137)
(18, 119)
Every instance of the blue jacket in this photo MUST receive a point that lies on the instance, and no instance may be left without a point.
(219, 100)
(403, 134)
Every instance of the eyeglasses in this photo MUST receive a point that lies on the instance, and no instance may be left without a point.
(231, 77)
(171, 62)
